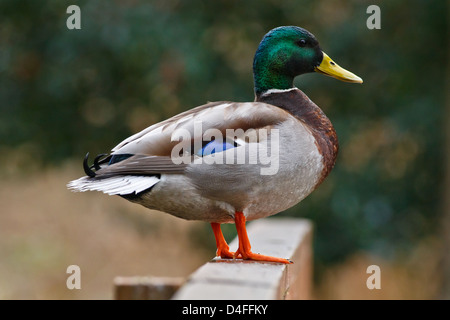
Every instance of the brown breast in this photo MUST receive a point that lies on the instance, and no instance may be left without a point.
(298, 104)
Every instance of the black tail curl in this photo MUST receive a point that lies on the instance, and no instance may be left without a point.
(97, 162)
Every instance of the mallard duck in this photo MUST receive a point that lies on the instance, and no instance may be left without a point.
(232, 162)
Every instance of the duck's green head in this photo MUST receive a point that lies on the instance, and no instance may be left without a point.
(286, 52)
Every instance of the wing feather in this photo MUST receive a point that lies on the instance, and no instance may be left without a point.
(157, 139)
(151, 148)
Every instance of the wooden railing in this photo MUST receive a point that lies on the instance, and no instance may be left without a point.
(239, 279)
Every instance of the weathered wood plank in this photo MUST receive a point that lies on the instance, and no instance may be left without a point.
(146, 288)
(238, 279)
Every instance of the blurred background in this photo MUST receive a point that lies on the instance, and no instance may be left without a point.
(134, 62)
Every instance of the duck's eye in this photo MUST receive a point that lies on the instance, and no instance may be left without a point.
(301, 42)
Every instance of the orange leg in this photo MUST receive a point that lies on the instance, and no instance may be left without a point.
(223, 250)
(244, 243)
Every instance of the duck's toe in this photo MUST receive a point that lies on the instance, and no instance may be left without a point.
(259, 257)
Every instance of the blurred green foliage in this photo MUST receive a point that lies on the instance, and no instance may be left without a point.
(65, 92)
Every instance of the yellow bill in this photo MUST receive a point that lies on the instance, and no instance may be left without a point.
(330, 68)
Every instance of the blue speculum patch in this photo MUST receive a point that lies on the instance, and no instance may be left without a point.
(215, 146)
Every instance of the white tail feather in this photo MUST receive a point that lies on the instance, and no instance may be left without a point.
(118, 185)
